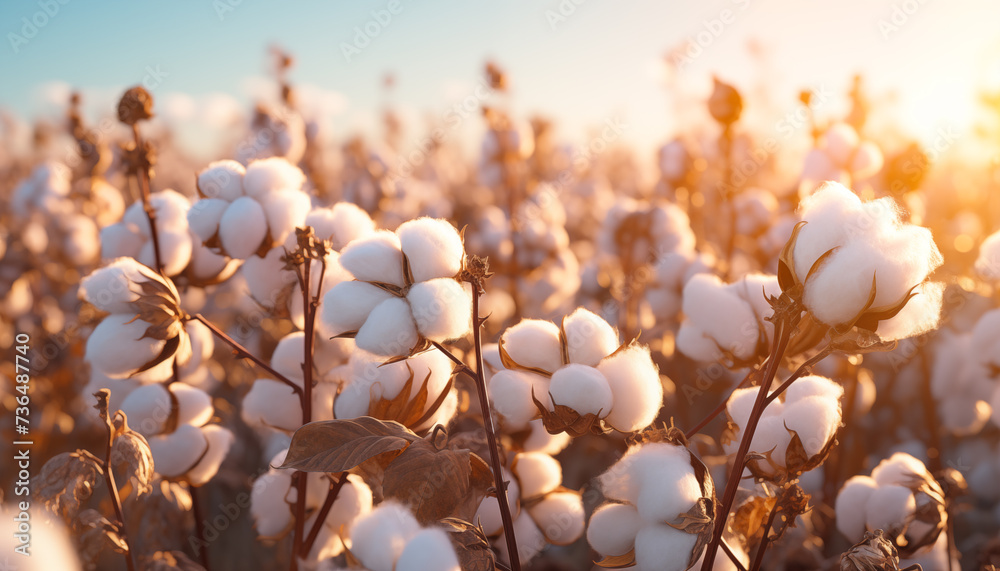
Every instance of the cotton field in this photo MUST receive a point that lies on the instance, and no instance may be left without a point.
(251, 334)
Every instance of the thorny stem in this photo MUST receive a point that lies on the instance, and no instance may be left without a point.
(782, 334)
(759, 558)
(242, 352)
(324, 511)
(199, 528)
(109, 476)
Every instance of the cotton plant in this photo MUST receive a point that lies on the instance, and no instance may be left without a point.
(727, 321)
(276, 131)
(576, 375)
(841, 156)
(389, 538)
(506, 143)
(244, 212)
(544, 513)
(793, 435)
(653, 489)
(405, 293)
(962, 380)
(901, 498)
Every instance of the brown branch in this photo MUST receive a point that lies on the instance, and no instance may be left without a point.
(109, 477)
(199, 528)
(324, 511)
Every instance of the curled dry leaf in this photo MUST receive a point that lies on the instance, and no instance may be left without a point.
(750, 516)
(873, 553)
(618, 561)
(131, 450)
(159, 520)
(471, 545)
(95, 533)
(791, 503)
(67, 480)
(565, 419)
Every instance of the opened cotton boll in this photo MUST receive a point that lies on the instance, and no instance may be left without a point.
(272, 404)
(612, 529)
(637, 393)
(152, 408)
(537, 474)
(488, 513)
(375, 258)
(433, 248)
(512, 391)
(379, 537)
(534, 343)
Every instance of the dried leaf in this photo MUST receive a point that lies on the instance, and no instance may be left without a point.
(67, 480)
(340, 445)
(131, 450)
(409, 411)
(568, 420)
(750, 517)
(791, 503)
(618, 561)
(95, 533)
(471, 545)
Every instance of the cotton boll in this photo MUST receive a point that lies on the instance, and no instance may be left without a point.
(175, 251)
(697, 344)
(117, 347)
(285, 210)
(206, 265)
(511, 392)
(772, 437)
(839, 290)
(668, 492)
(530, 540)
(920, 314)
(539, 439)
(888, 506)
(243, 227)
(898, 469)
(205, 215)
(442, 308)
(389, 329)
(222, 180)
(613, 528)
(560, 517)
(488, 513)
(588, 337)
(347, 305)
(289, 354)
(635, 384)
(342, 223)
(815, 419)
(988, 262)
(109, 288)
(266, 277)
(660, 547)
(119, 241)
(271, 513)
(375, 258)
(148, 408)
(271, 174)
(825, 212)
(538, 474)
(378, 538)
(219, 441)
(194, 406)
(867, 160)
(726, 318)
(428, 550)
(353, 501)
(582, 388)
(813, 385)
(177, 452)
(433, 248)
(534, 343)
(839, 141)
(81, 244)
(272, 404)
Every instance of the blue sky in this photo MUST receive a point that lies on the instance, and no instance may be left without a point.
(603, 61)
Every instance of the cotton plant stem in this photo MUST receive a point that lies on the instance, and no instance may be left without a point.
(300, 520)
(802, 371)
(147, 206)
(717, 410)
(732, 556)
(199, 528)
(242, 351)
(109, 479)
(782, 334)
(758, 559)
(324, 511)
(931, 417)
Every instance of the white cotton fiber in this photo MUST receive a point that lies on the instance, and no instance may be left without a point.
(176, 453)
(175, 251)
(530, 540)
(271, 174)
(205, 215)
(921, 314)
(347, 305)
(375, 258)
(613, 528)
(109, 288)
(659, 547)
(867, 160)
(537, 473)
(117, 348)
(273, 404)
(378, 538)
(770, 436)
(534, 343)
(560, 517)
(194, 406)
(539, 439)
(243, 227)
(839, 141)
(696, 344)
(81, 243)
(433, 248)
(286, 210)
(813, 385)
(342, 223)
(442, 308)
(900, 469)
(266, 277)
(815, 419)
(988, 262)
(222, 180)
(668, 492)
(488, 513)
(289, 355)
(588, 337)
(826, 212)
(582, 388)
(389, 329)
(428, 550)
(117, 241)
(726, 318)
(851, 506)
(511, 391)
(888, 506)
(353, 500)
(147, 408)
(635, 384)
(271, 513)
(220, 439)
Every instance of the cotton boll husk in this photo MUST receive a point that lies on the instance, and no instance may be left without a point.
(560, 517)
(539, 439)
(271, 174)
(243, 227)
(219, 439)
(668, 492)
(442, 308)
(813, 385)
(888, 506)
(177, 452)
(175, 251)
(635, 384)
(285, 210)
(116, 347)
(582, 388)
(826, 212)
(696, 344)
(379, 537)
(347, 305)
(205, 215)
(341, 224)
(375, 258)
(613, 528)
(726, 318)
(867, 160)
(368, 377)
(898, 469)
(433, 248)
(538, 474)
(659, 547)
(120, 240)
(511, 392)
(988, 262)
(839, 141)
(588, 337)
(530, 540)
(534, 343)
(389, 329)
(488, 513)
(222, 180)
(109, 288)
(428, 550)
(273, 404)
(815, 419)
